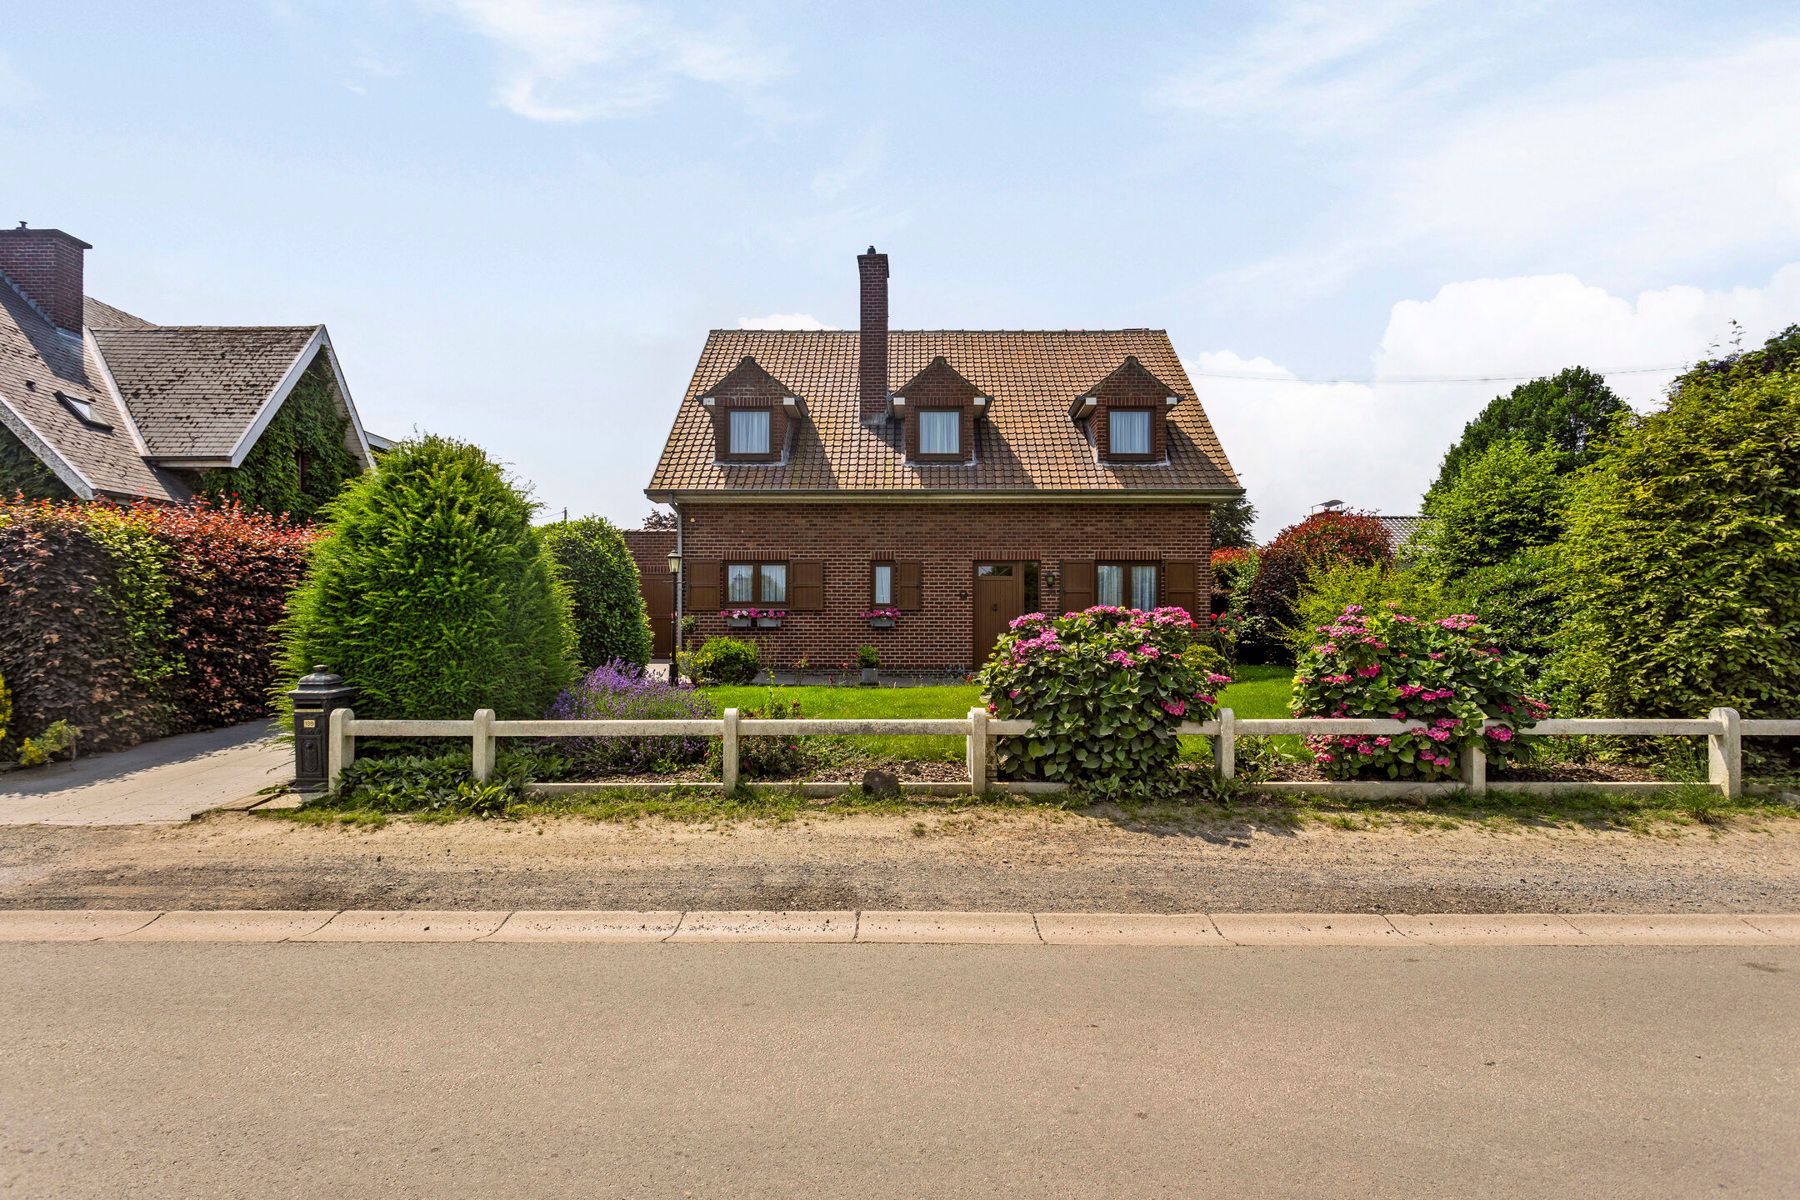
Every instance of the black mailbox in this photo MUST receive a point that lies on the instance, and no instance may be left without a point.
(315, 698)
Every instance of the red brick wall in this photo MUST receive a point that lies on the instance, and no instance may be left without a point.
(650, 549)
(947, 538)
(46, 264)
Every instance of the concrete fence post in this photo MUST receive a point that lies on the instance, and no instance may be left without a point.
(1225, 746)
(978, 751)
(728, 751)
(483, 750)
(1474, 768)
(1725, 754)
(340, 746)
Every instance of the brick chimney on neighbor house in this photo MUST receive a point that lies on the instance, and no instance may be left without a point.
(872, 355)
(45, 265)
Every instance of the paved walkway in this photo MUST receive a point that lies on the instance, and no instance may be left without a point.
(161, 782)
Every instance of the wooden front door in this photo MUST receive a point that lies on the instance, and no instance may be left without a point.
(659, 600)
(999, 597)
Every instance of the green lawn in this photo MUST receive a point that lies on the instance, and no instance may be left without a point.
(1259, 692)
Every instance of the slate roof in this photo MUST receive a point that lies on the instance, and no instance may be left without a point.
(37, 361)
(1400, 529)
(190, 392)
(194, 390)
(1026, 443)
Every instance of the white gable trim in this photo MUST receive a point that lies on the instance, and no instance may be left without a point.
(35, 442)
(320, 340)
(112, 389)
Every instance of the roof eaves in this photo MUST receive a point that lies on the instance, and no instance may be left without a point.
(39, 445)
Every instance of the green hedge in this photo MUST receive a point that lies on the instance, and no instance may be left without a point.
(433, 595)
(596, 567)
(129, 624)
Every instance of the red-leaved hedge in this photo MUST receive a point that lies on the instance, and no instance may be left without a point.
(132, 623)
(1323, 539)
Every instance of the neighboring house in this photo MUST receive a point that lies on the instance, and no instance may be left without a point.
(1400, 530)
(964, 477)
(95, 402)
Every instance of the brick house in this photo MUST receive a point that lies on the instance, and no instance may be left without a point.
(963, 477)
(98, 403)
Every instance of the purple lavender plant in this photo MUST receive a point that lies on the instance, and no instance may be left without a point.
(620, 691)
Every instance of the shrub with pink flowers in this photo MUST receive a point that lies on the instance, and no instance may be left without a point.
(1445, 677)
(1108, 689)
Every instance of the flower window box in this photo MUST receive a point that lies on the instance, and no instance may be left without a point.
(882, 618)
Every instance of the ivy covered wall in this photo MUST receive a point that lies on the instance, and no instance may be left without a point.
(300, 461)
(22, 471)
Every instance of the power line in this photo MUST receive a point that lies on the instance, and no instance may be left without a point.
(1373, 379)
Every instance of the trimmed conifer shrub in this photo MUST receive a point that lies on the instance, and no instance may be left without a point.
(596, 567)
(432, 594)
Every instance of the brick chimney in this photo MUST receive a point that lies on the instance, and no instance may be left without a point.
(45, 264)
(872, 355)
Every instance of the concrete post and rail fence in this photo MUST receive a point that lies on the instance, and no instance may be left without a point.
(1723, 729)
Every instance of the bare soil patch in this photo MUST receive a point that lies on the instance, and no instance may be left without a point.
(969, 859)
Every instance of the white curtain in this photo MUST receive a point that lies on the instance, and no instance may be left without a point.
(749, 433)
(1143, 586)
(884, 584)
(1109, 585)
(1130, 432)
(740, 583)
(938, 432)
(774, 583)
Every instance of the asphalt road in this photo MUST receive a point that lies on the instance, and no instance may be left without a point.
(871, 1071)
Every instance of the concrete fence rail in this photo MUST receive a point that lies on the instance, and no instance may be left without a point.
(1723, 729)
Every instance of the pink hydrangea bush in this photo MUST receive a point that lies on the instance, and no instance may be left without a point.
(1108, 689)
(1445, 677)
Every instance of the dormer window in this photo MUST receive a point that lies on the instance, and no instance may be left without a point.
(1128, 432)
(749, 432)
(940, 433)
(938, 411)
(1126, 415)
(754, 415)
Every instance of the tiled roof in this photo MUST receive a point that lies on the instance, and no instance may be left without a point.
(36, 362)
(1026, 443)
(96, 314)
(195, 390)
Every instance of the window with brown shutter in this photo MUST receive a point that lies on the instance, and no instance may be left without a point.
(909, 588)
(806, 585)
(703, 584)
(1181, 587)
(1077, 584)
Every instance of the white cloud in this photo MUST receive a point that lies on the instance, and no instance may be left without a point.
(1451, 150)
(1377, 445)
(783, 321)
(578, 60)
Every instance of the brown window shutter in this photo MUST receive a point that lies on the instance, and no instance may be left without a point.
(703, 576)
(1181, 586)
(909, 588)
(806, 585)
(1077, 584)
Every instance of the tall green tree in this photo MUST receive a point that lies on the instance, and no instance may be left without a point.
(1509, 496)
(1233, 523)
(432, 593)
(1570, 411)
(602, 580)
(1681, 562)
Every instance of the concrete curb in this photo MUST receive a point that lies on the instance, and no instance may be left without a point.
(1219, 930)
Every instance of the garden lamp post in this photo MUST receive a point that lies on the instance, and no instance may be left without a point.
(315, 698)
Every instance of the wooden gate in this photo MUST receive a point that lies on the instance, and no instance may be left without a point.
(659, 601)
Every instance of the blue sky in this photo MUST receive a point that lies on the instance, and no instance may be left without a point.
(519, 217)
